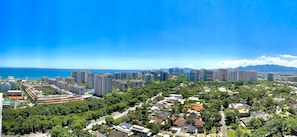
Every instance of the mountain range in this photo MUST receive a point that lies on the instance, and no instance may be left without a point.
(270, 68)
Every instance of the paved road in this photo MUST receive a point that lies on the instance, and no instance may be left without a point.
(223, 130)
(102, 119)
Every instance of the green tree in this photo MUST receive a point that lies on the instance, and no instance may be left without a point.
(109, 120)
(58, 131)
(255, 123)
(230, 116)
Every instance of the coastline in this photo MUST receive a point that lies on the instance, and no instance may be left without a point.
(38, 73)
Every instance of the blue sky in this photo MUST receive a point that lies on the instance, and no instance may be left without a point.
(145, 34)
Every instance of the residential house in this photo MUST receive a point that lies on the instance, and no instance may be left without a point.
(197, 107)
(242, 108)
(189, 129)
(129, 130)
(199, 124)
(179, 122)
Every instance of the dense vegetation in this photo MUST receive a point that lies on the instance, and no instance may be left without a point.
(76, 115)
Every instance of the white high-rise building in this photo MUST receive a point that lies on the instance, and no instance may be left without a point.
(233, 75)
(90, 80)
(223, 74)
(247, 75)
(102, 84)
(77, 76)
(83, 75)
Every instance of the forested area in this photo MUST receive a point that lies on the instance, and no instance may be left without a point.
(76, 115)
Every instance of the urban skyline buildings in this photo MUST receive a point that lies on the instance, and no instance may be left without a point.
(222, 75)
(164, 76)
(90, 79)
(102, 84)
(77, 76)
(270, 77)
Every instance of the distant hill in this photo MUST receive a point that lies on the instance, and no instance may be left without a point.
(270, 68)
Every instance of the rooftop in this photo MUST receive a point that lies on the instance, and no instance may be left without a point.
(179, 122)
(197, 107)
(199, 123)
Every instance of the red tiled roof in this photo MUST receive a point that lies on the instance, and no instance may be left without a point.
(197, 107)
(179, 122)
(199, 123)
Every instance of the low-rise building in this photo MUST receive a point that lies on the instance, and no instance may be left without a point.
(52, 81)
(179, 122)
(123, 86)
(70, 80)
(197, 107)
(80, 90)
(45, 79)
(129, 130)
(62, 85)
(242, 108)
(141, 131)
(15, 94)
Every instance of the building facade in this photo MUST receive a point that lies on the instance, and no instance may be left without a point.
(193, 76)
(90, 80)
(102, 84)
(270, 77)
(223, 74)
(148, 77)
(164, 76)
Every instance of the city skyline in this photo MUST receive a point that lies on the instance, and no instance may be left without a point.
(147, 34)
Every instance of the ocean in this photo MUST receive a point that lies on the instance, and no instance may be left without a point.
(38, 73)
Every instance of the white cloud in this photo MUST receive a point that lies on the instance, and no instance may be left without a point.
(288, 56)
(284, 60)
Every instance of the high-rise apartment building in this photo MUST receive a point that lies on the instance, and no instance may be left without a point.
(233, 75)
(164, 76)
(193, 76)
(175, 71)
(129, 75)
(155, 74)
(135, 74)
(253, 75)
(206, 75)
(270, 77)
(77, 76)
(102, 84)
(148, 77)
(247, 75)
(117, 75)
(90, 80)
(223, 74)
(123, 75)
(83, 76)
